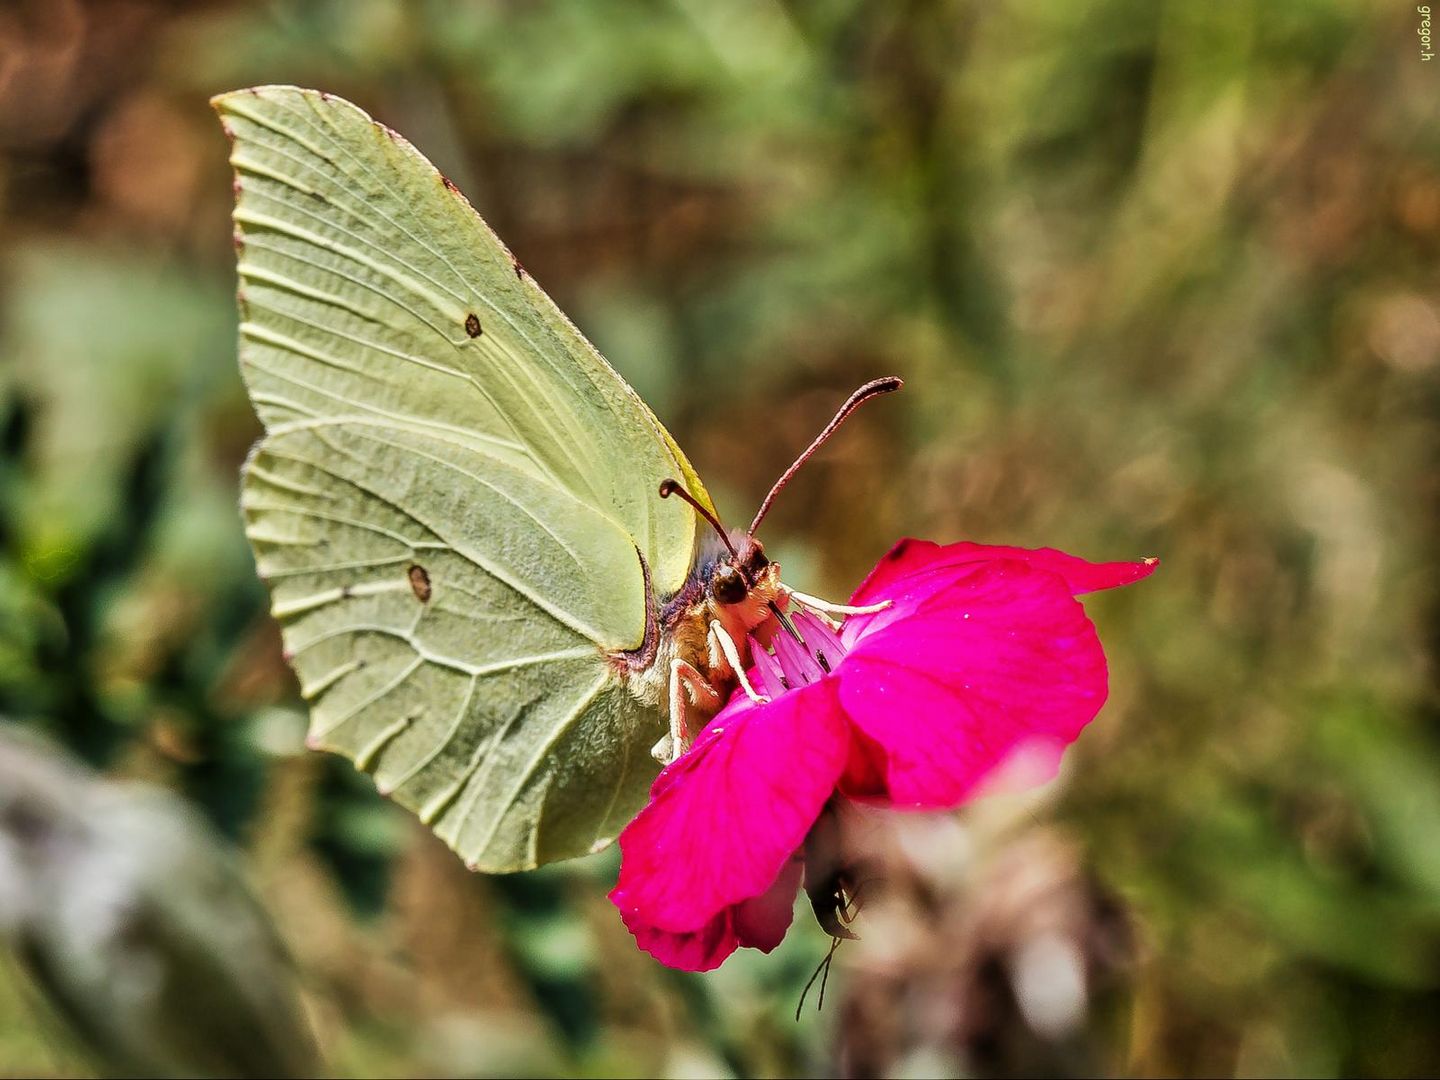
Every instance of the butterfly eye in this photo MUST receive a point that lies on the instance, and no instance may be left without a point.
(727, 585)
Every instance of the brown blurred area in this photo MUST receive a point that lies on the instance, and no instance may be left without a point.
(92, 145)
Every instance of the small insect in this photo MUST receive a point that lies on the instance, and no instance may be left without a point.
(501, 583)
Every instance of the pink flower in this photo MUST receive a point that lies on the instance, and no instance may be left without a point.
(983, 651)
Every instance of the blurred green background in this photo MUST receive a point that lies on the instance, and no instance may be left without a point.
(1161, 277)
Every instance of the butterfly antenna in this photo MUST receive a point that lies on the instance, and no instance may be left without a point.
(670, 486)
(859, 397)
(825, 968)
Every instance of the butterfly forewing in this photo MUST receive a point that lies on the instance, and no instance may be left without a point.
(453, 495)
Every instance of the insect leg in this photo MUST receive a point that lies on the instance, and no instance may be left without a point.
(721, 637)
(814, 603)
(683, 677)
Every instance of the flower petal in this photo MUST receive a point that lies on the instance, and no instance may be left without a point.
(725, 818)
(956, 677)
(692, 950)
(925, 559)
(761, 921)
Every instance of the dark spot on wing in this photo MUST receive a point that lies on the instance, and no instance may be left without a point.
(450, 184)
(519, 270)
(345, 592)
(420, 583)
(472, 324)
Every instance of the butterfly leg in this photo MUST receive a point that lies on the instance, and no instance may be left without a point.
(824, 607)
(720, 638)
(685, 682)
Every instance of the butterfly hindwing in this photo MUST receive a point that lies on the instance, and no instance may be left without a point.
(453, 495)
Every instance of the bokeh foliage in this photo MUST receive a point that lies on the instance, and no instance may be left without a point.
(1161, 276)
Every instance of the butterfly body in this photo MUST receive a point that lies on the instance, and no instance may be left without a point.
(686, 618)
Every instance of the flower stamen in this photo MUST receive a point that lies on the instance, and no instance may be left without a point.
(767, 670)
(814, 652)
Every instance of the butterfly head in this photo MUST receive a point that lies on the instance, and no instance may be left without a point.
(742, 587)
(733, 579)
(739, 580)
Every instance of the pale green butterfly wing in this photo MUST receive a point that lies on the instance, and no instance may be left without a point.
(453, 495)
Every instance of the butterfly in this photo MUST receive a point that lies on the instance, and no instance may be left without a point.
(461, 511)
